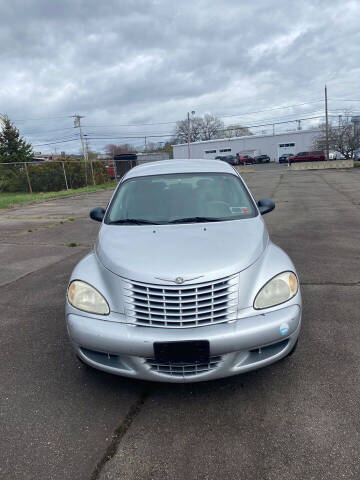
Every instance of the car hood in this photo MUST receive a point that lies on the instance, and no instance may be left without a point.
(197, 252)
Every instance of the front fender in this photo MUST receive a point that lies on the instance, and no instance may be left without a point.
(91, 271)
(272, 262)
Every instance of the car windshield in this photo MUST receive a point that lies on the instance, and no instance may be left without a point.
(180, 198)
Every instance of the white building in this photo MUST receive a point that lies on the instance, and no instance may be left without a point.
(272, 145)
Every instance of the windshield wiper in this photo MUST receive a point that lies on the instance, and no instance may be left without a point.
(195, 220)
(132, 221)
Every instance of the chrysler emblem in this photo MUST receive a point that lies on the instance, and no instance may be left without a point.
(179, 280)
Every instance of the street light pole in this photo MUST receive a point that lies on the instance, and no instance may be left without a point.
(188, 133)
(327, 125)
(188, 130)
(77, 124)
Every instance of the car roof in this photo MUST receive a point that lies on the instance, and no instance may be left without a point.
(179, 166)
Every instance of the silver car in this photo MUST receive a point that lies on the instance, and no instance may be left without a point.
(183, 284)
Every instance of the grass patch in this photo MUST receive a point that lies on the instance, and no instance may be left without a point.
(356, 164)
(7, 200)
(72, 244)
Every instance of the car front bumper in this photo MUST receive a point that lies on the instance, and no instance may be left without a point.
(235, 347)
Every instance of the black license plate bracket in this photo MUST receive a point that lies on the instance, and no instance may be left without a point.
(192, 351)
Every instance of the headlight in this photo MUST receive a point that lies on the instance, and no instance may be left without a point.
(83, 296)
(278, 290)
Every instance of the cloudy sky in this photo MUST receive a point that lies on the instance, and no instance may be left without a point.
(132, 67)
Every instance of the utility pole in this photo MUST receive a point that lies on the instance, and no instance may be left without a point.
(77, 124)
(298, 124)
(273, 128)
(327, 125)
(188, 130)
(87, 156)
(188, 133)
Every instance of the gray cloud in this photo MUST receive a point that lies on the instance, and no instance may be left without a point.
(144, 61)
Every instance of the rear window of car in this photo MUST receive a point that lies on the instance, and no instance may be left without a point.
(302, 154)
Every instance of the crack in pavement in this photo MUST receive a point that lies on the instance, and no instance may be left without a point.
(120, 432)
(82, 245)
(38, 228)
(281, 176)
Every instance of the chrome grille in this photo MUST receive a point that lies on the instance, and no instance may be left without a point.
(181, 306)
(183, 369)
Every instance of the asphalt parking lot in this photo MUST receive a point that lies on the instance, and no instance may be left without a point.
(296, 419)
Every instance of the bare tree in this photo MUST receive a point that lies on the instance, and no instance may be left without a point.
(205, 128)
(236, 131)
(211, 127)
(343, 138)
(181, 130)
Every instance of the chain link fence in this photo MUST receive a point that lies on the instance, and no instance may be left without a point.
(52, 176)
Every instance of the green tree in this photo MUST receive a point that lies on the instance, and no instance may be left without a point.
(13, 148)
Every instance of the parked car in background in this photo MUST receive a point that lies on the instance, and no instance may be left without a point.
(230, 159)
(262, 159)
(284, 157)
(334, 155)
(314, 156)
(245, 159)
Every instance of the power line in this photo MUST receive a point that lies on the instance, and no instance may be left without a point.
(49, 131)
(344, 100)
(217, 115)
(42, 118)
(130, 125)
(53, 143)
(267, 109)
(141, 136)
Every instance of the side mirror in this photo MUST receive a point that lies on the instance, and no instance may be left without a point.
(265, 205)
(97, 214)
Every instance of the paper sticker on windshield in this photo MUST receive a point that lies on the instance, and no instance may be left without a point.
(239, 210)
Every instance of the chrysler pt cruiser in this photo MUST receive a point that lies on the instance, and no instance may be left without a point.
(183, 283)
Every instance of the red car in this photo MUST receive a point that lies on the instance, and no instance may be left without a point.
(315, 156)
(110, 171)
(243, 159)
